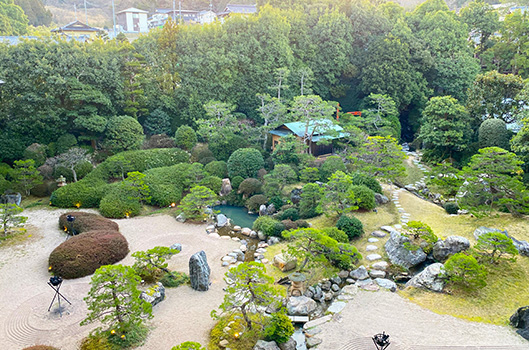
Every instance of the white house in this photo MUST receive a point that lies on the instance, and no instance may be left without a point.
(133, 20)
(205, 17)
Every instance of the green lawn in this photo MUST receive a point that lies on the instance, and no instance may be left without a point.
(507, 283)
(413, 174)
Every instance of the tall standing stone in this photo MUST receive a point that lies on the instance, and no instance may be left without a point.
(199, 271)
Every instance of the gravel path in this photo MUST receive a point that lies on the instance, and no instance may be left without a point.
(25, 297)
(408, 325)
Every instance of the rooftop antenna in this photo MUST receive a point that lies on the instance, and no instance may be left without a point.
(114, 18)
(85, 13)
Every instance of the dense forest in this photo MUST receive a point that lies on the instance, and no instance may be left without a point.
(339, 50)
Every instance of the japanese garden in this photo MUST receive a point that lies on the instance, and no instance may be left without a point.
(279, 175)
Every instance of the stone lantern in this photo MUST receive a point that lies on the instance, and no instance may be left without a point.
(61, 181)
(297, 287)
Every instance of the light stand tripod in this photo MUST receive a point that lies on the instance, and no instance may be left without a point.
(55, 284)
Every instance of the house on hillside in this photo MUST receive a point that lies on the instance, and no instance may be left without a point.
(239, 9)
(77, 28)
(133, 20)
(317, 131)
(188, 16)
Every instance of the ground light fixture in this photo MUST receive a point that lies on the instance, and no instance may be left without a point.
(71, 219)
(381, 341)
(55, 283)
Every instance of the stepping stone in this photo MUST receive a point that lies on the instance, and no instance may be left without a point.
(387, 229)
(368, 284)
(336, 307)
(372, 240)
(214, 235)
(299, 319)
(380, 265)
(373, 257)
(404, 221)
(317, 322)
(313, 342)
(400, 210)
(225, 237)
(371, 248)
(236, 239)
(387, 284)
(377, 274)
(379, 234)
(398, 226)
(396, 202)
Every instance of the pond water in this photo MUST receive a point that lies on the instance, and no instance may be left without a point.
(239, 215)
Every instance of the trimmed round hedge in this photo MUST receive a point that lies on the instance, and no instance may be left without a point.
(41, 347)
(351, 226)
(81, 194)
(81, 255)
(85, 222)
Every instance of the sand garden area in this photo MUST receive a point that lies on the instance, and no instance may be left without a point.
(24, 296)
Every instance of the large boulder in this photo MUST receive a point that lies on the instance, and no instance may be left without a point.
(222, 220)
(289, 345)
(266, 345)
(154, 295)
(399, 254)
(430, 278)
(11, 199)
(285, 263)
(300, 306)
(226, 187)
(199, 271)
(381, 199)
(360, 273)
(295, 195)
(520, 320)
(450, 246)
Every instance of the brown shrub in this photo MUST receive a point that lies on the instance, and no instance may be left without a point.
(289, 224)
(83, 254)
(159, 141)
(85, 222)
(40, 347)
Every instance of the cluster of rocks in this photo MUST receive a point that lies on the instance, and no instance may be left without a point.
(15, 198)
(154, 295)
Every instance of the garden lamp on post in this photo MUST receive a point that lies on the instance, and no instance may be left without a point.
(381, 341)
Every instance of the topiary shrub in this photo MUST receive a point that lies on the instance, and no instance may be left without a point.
(123, 133)
(254, 203)
(200, 151)
(159, 141)
(236, 182)
(245, 162)
(117, 204)
(364, 197)
(465, 271)
(250, 187)
(185, 137)
(279, 329)
(41, 347)
(64, 143)
(81, 194)
(336, 234)
(217, 168)
(164, 195)
(309, 175)
(331, 165)
(351, 226)
(289, 214)
(289, 224)
(214, 183)
(494, 133)
(81, 255)
(370, 182)
(451, 207)
(268, 226)
(85, 222)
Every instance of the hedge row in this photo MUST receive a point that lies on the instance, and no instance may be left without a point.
(85, 222)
